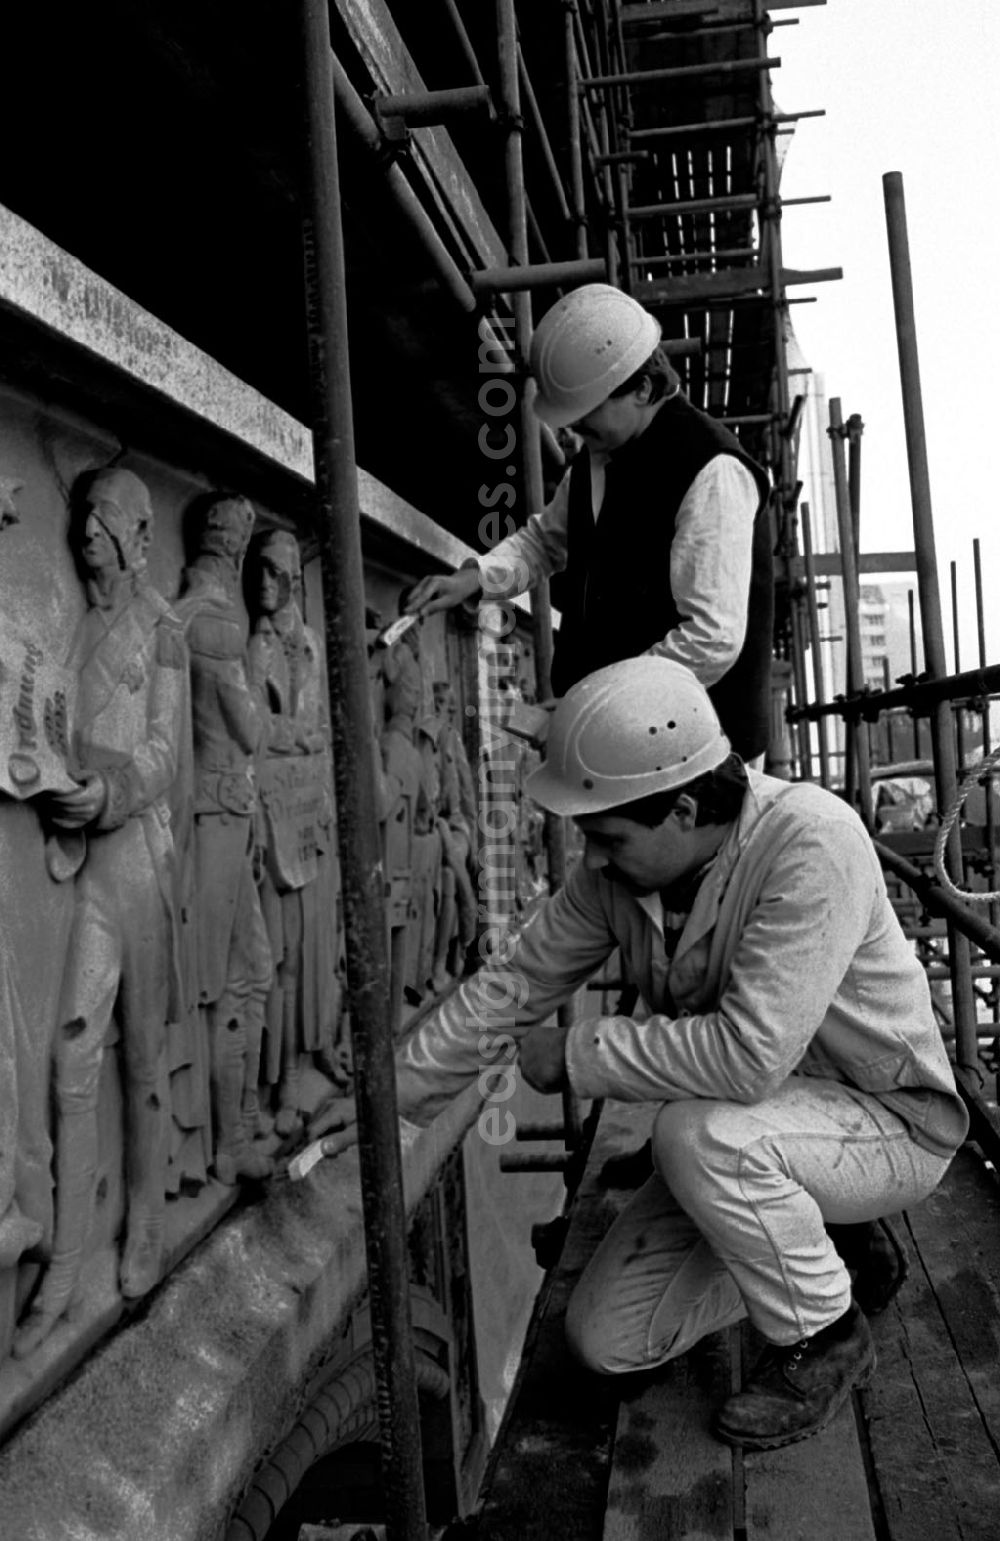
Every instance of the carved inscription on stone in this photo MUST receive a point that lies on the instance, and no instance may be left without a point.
(36, 696)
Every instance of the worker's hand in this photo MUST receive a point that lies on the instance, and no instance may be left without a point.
(442, 591)
(337, 1123)
(542, 1057)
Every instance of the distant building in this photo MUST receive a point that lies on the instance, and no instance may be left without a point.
(884, 615)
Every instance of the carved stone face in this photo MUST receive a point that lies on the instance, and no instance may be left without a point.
(276, 581)
(227, 528)
(117, 523)
(444, 700)
(99, 551)
(404, 691)
(279, 571)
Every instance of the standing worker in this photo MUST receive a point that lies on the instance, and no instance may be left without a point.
(660, 526)
(803, 1086)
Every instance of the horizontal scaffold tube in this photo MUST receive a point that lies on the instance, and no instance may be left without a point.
(538, 275)
(940, 902)
(678, 72)
(428, 108)
(921, 695)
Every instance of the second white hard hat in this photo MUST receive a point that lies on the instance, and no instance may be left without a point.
(637, 727)
(588, 344)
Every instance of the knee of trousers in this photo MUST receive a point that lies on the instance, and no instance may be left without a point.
(587, 1335)
(695, 1144)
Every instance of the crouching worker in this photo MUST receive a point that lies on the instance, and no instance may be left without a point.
(803, 1084)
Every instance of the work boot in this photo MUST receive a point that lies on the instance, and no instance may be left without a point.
(794, 1391)
(876, 1259)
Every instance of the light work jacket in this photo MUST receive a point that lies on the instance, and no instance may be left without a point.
(791, 961)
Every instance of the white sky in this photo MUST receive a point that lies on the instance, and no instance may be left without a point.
(908, 86)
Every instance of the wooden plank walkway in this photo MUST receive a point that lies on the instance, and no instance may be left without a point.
(915, 1457)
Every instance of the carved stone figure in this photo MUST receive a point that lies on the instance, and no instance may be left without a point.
(228, 717)
(131, 705)
(298, 886)
(412, 856)
(456, 918)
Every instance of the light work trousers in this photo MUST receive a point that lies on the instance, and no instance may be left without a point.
(733, 1222)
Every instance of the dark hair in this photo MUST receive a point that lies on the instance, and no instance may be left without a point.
(719, 792)
(658, 370)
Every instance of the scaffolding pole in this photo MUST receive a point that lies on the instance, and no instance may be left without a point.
(819, 683)
(532, 481)
(681, 72)
(577, 191)
(545, 144)
(991, 824)
(927, 583)
(354, 750)
(918, 695)
(858, 770)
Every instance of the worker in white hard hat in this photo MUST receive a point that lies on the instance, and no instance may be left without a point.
(803, 1087)
(660, 527)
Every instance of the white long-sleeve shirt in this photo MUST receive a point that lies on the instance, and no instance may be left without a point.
(710, 561)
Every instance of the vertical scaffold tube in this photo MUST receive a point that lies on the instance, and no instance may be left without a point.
(801, 691)
(991, 823)
(532, 481)
(912, 621)
(579, 199)
(857, 733)
(354, 747)
(956, 643)
(819, 682)
(942, 739)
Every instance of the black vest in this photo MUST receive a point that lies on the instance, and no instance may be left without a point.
(615, 592)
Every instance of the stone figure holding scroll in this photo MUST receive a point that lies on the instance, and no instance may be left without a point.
(130, 710)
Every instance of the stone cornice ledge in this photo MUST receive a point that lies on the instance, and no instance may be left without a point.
(51, 288)
(159, 1433)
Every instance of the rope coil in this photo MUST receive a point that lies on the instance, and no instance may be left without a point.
(979, 772)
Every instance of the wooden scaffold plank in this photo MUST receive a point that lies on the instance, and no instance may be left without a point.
(813, 1491)
(934, 1460)
(669, 1476)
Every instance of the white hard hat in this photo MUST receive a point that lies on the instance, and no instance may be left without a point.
(588, 344)
(634, 728)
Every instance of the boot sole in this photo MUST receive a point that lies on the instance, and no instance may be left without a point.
(756, 1442)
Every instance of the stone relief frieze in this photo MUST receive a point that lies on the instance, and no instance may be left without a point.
(168, 826)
